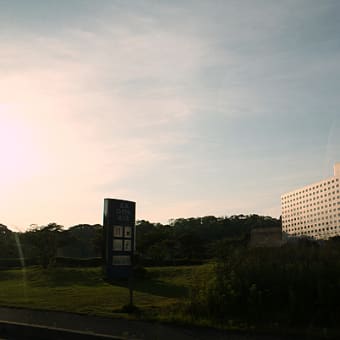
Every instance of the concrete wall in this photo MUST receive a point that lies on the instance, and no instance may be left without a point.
(266, 237)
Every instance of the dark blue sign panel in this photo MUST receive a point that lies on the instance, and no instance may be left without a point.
(119, 237)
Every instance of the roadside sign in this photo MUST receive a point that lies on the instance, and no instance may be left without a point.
(119, 237)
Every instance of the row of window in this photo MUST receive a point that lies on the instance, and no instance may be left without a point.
(304, 208)
(300, 206)
(297, 198)
(300, 202)
(313, 225)
(304, 212)
(307, 190)
(289, 225)
(306, 219)
(310, 221)
(313, 230)
(318, 231)
(301, 212)
(305, 215)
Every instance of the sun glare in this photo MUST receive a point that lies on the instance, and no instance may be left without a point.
(17, 154)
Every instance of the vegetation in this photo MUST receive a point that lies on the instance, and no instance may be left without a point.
(182, 241)
(296, 285)
(289, 287)
(43, 245)
(236, 292)
(194, 239)
(83, 290)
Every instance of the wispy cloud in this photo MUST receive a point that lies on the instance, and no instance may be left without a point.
(101, 106)
(169, 103)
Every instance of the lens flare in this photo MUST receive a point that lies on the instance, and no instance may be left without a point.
(17, 152)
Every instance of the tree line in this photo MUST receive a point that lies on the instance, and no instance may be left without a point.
(183, 240)
(44, 244)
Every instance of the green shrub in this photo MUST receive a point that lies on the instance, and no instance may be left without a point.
(293, 285)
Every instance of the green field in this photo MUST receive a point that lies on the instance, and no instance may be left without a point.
(83, 290)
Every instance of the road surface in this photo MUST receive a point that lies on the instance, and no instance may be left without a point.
(121, 328)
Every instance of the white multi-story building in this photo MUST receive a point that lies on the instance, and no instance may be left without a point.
(313, 210)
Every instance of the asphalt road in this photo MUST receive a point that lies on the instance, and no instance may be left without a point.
(121, 328)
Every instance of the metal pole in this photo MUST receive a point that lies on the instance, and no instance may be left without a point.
(130, 283)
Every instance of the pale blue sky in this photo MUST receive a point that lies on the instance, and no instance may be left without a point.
(190, 108)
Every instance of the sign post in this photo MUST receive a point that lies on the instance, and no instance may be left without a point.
(119, 237)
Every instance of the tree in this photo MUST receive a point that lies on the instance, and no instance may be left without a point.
(45, 240)
(82, 241)
(7, 243)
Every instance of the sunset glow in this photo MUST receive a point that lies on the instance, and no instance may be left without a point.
(187, 109)
(18, 157)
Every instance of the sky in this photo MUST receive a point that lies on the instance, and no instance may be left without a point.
(189, 108)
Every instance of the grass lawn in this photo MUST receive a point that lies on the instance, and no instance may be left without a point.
(83, 290)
